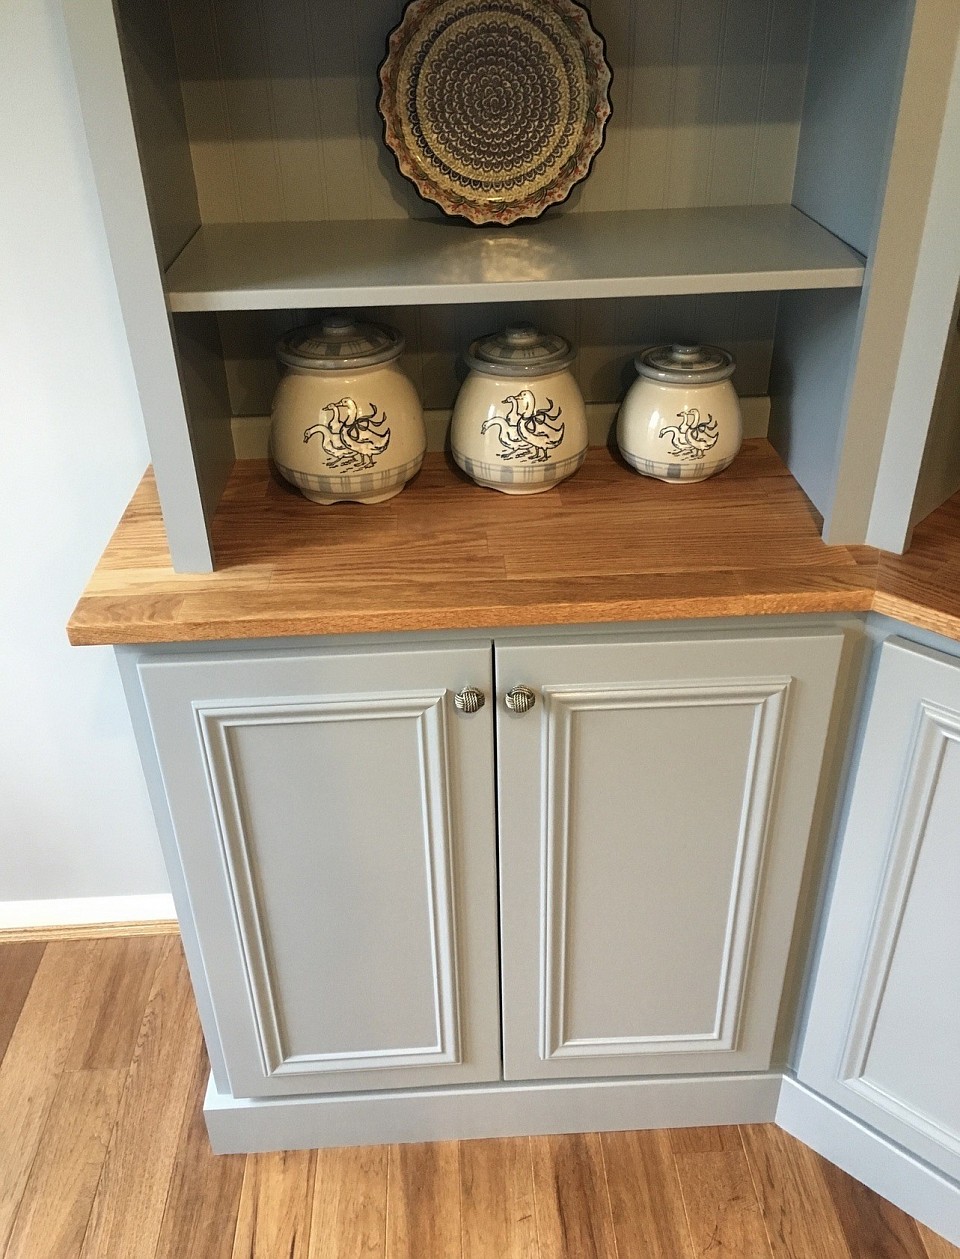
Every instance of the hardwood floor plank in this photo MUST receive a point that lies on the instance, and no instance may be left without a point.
(649, 1220)
(31, 1067)
(496, 1199)
(873, 1227)
(122, 983)
(706, 1140)
(936, 1246)
(349, 1218)
(275, 1206)
(56, 1202)
(574, 1220)
(129, 1205)
(204, 1197)
(722, 1207)
(798, 1211)
(423, 1201)
(18, 965)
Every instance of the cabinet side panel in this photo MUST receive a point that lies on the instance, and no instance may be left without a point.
(203, 382)
(909, 290)
(817, 335)
(113, 149)
(157, 106)
(857, 55)
(940, 471)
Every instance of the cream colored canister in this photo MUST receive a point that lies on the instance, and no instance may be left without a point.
(681, 419)
(519, 424)
(347, 423)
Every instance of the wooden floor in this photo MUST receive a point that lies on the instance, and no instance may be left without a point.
(103, 1154)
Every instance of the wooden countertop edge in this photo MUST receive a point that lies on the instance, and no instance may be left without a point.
(86, 630)
(918, 615)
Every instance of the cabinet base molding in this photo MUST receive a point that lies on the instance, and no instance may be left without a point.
(880, 1164)
(247, 1126)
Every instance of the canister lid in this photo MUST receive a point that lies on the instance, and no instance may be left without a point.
(339, 342)
(520, 350)
(685, 364)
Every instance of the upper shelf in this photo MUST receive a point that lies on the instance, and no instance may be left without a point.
(399, 262)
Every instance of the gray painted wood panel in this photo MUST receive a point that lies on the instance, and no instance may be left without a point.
(104, 103)
(884, 1023)
(280, 102)
(878, 404)
(654, 815)
(903, 258)
(153, 82)
(921, 433)
(940, 471)
(816, 340)
(628, 253)
(334, 817)
(848, 117)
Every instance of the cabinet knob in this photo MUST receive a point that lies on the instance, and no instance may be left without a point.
(520, 699)
(469, 700)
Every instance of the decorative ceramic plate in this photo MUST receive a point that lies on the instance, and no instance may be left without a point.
(495, 109)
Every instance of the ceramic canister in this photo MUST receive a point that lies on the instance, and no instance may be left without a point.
(681, 420)
(519, 423)
(347, 423)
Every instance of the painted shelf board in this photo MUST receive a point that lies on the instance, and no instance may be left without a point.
(396, 262)
(605, 546)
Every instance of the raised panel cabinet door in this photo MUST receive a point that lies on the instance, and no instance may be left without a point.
(334, 814)
(655, 805)
(883, 1036)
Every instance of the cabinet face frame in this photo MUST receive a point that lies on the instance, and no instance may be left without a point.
(786, 688)
(913, 725)
(202, 710)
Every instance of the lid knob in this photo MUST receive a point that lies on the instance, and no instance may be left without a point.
(337, 325)
(686, 353)
(521, 334)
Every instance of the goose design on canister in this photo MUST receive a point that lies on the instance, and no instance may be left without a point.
(527, 432)
(692, 437)
(351, 441)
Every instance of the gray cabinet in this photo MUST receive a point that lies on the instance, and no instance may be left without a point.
(883, 1036)
(655, 807)
(334, 816)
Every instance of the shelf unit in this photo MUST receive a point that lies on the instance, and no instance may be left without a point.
(780, 177)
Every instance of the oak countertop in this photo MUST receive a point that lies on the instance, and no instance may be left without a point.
(605, 546)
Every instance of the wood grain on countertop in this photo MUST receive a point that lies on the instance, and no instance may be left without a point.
(605, 546)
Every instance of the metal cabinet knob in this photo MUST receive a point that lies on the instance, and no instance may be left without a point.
(469, 700)
(520, 699)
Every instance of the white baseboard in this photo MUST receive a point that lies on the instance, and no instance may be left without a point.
(72, 913)
(244, 1126)
(886, 1168)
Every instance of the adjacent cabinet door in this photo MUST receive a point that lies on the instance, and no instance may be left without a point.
(883, 1036)
(335, 819)
(655, 806)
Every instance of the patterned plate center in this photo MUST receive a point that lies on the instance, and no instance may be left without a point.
(495, 98)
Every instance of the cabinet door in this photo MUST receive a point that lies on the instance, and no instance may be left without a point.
(335, 817)
(654, 813)
(883, 1036)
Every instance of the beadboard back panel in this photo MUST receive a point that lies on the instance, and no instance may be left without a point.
(281, 106)
(606, 334)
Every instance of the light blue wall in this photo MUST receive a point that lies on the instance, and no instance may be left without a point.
(74, 816)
